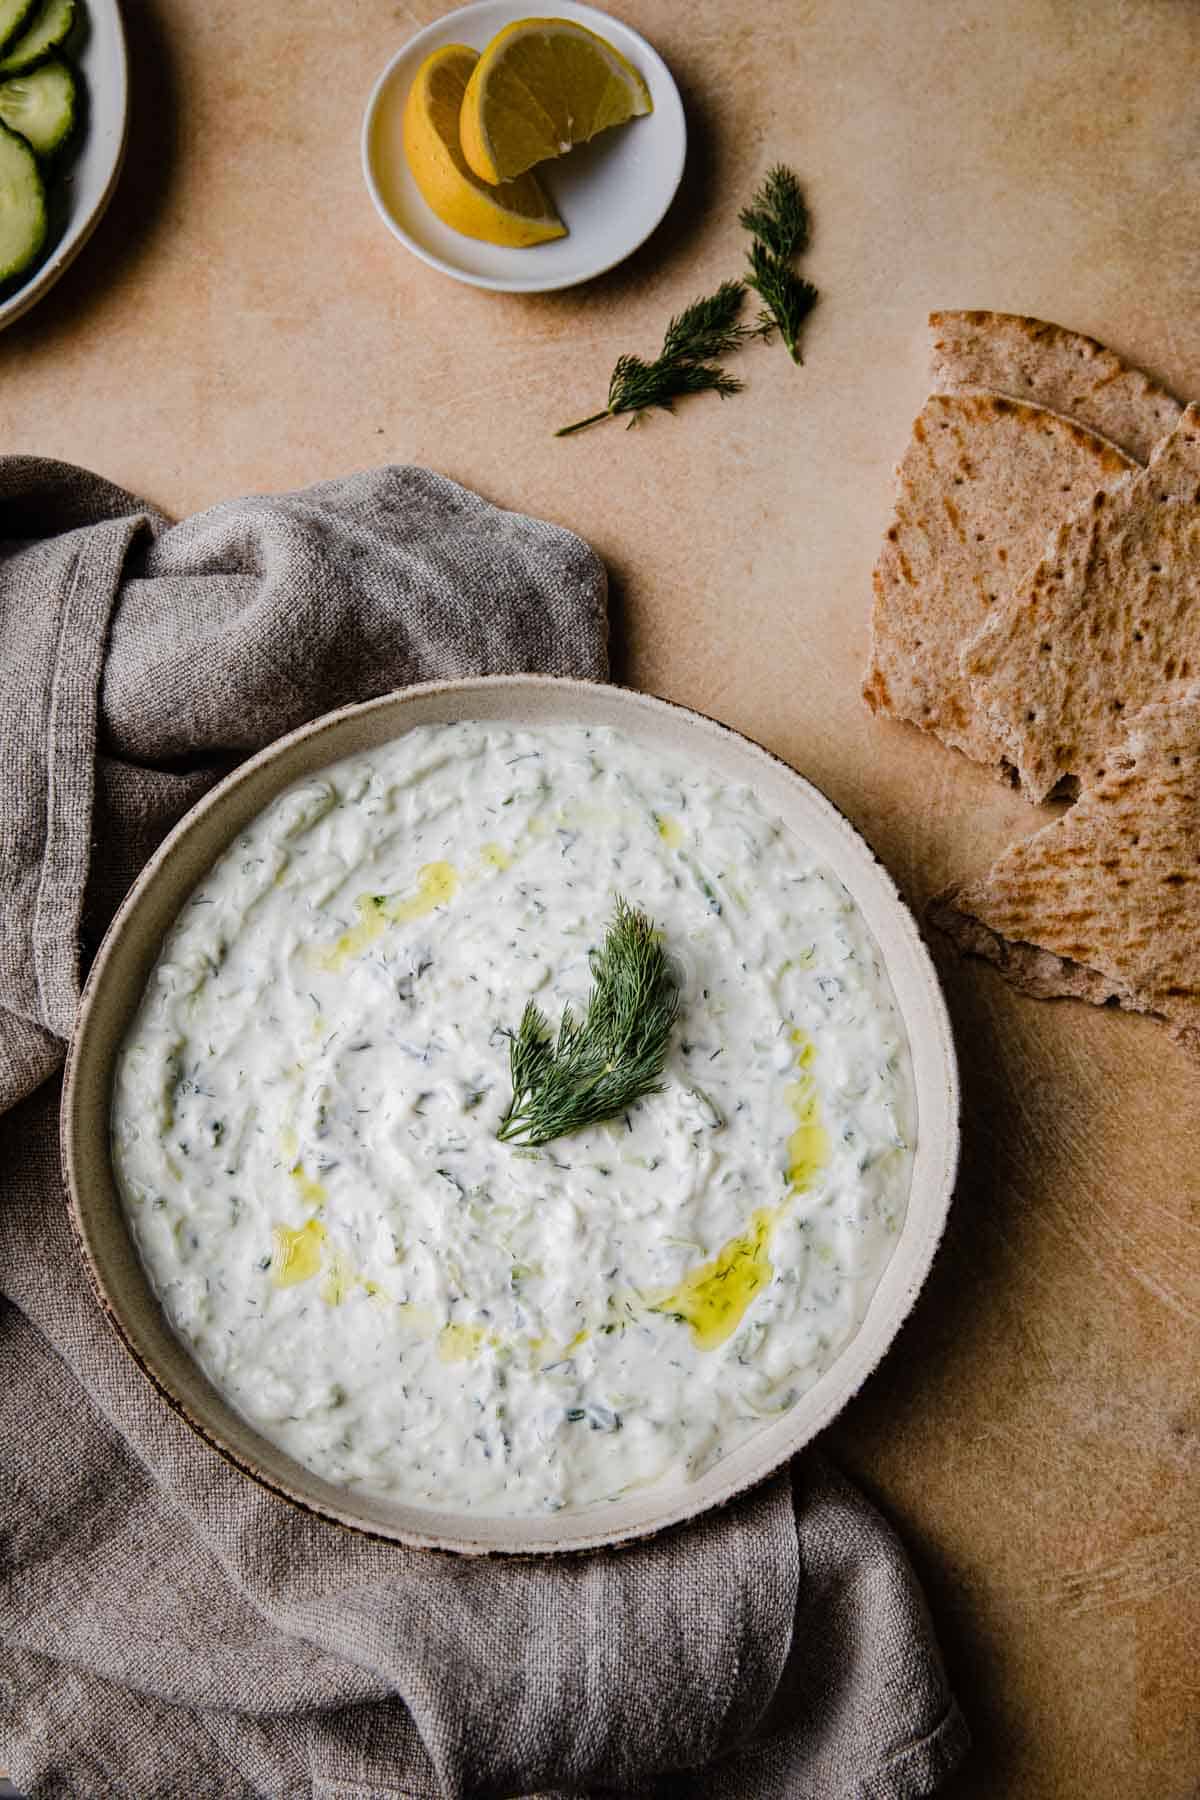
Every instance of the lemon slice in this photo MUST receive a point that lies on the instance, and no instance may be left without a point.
(541, 86)
(516, 213)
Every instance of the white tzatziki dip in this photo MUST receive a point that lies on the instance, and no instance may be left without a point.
(306, 1107)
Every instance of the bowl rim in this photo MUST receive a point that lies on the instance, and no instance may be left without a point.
(582, 13)
(88, 1080)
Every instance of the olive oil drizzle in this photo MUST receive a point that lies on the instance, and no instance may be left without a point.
(437, 884)
(714, 1298)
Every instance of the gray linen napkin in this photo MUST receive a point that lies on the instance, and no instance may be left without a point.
(167, 1628)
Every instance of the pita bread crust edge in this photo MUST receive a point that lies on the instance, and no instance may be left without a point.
(1037, 361)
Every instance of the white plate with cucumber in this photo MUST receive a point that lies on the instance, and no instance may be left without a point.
(64, 106)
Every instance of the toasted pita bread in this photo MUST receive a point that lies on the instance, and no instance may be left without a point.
(1104, 903)
(984, 483)
(1106, 622)
(1032, 360)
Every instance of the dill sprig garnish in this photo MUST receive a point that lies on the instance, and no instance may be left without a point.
(777, 219)
(787, 297)
(611, 1057)
(777, 215)
(778, 222)
(708, 328)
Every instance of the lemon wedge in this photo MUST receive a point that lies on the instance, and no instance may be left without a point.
(541, 86)
(515, 213)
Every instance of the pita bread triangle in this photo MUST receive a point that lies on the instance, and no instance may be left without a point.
(1107, 621)
(1103, 903)
(1029, 423)
(983, 484)
(1033, 360)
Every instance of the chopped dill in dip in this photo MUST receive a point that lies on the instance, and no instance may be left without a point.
(306, 1110)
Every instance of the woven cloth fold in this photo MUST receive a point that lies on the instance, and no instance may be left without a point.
(167, 1627)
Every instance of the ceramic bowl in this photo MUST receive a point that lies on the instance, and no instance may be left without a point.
(610, 193)
(132, 944)
(85, 185)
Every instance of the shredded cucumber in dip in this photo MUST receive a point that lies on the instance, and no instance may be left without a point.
(307, 1104)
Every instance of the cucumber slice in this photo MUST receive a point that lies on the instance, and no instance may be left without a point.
(22, 205)
(43, 32)
(40, 105)
(14, 16)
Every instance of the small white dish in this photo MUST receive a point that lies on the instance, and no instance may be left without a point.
(84, 186)
(610, 193)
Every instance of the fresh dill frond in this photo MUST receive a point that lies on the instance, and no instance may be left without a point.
(777, 215)
(786, 296)
(707, 328)
(637, 386)
(778, 222)
(613, 1055)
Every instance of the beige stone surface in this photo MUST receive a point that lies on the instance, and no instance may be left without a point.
(242, 321)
